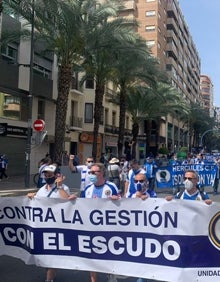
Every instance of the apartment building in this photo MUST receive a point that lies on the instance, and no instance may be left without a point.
(162, 25)
(14, 98)
(206, 87)
(14, 107)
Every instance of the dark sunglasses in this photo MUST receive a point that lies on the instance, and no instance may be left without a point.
(89, 161)
(140, 181)
(189, 178)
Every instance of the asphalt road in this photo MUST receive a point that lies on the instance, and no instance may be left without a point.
(14, 270)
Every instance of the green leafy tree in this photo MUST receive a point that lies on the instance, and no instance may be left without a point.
(105, 38)
(199, 121)
(150, 104)
(133, 66)
(74, 30)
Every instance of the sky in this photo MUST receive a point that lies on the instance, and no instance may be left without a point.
(203, 20)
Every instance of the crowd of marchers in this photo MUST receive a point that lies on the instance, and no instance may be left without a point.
(114, 179)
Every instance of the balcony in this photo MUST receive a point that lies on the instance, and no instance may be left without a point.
(111, 129)
(130, 5)
(75, 123)
(115, 130)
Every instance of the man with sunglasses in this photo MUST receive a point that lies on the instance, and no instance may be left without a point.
(83, 169)
(135, 169)
(191, 191)
(99, 187)
(142, 187)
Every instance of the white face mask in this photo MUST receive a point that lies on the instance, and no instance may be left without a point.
(188, 184)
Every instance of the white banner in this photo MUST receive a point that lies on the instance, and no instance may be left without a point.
(156, 239)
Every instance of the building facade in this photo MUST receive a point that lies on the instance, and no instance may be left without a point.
(206, 87)
(161, 24)
(14, 111)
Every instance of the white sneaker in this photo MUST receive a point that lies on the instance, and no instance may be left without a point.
(112, 278)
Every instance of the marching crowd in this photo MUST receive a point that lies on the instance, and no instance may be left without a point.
(116, 179)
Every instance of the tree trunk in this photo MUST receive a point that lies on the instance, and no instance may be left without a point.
(148, 135)
(121, 123)
(135, 131)
(99, 93)
(65, 76)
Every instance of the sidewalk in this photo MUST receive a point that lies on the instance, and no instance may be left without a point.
(15, 186)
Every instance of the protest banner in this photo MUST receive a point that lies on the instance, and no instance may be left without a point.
(155, 239)
(173, 176)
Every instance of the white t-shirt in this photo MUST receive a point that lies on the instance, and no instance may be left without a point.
(44, 192)
(85, 181)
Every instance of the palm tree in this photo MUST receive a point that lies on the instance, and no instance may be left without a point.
(199, 121)
(69, 29)
(150, 104)
(59, 24)
(134, 66)
(109, 35)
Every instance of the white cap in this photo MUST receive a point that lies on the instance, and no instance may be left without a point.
(50, 168)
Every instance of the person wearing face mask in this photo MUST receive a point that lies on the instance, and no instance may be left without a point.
(129, 188)
(83, 169)
(142, 187)
(191, 191)
(54, 188)
(100, 188)
(142, 191)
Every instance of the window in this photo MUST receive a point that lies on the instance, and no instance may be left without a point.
(102, 117)
(42, 66)
(150, 28)
(42, 71)
(113, 118)
(13, 107)
(150, 13)
(88, 113)
(10, 52)
(106, 116)
(150, 43)
(90, 83)
(41, 109)
(169, 67)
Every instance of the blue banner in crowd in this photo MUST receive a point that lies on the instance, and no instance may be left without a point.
(172, 176)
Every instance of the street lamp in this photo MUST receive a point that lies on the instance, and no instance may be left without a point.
(30, 102)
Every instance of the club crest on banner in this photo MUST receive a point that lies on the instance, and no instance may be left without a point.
(214, 230)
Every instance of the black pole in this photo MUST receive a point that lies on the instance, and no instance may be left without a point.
(30, 102)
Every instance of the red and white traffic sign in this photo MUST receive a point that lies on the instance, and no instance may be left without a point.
(39, 125)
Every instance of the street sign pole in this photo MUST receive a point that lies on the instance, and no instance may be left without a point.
(30, 104)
